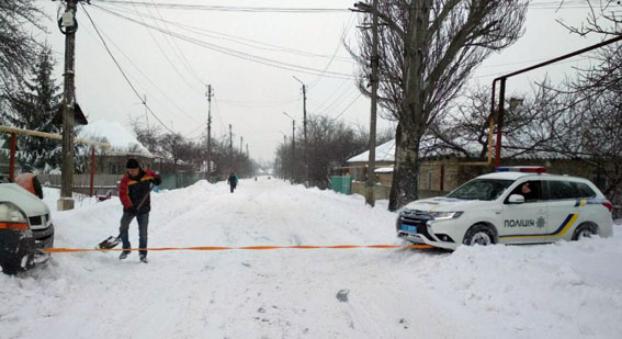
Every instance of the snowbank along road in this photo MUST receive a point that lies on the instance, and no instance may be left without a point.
(564, 290)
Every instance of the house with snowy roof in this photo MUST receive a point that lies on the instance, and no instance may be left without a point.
(123, 145)
(446, 166)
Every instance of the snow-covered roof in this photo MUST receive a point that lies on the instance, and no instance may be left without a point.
(384, 153)
(384, 170)
(122, 140)
(433, 147)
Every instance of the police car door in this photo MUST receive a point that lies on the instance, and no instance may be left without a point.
(524, 222)
(566, 200)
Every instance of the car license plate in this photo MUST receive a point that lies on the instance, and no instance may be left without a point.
(408, 228)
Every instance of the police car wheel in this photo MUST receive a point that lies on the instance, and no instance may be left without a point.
(586, 230)
(479, 234)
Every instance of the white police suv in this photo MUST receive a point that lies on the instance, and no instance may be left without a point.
(515, 205)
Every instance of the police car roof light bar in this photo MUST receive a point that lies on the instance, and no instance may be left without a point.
(524, 169)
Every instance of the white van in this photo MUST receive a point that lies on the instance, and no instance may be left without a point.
(515, 205)
(25, 229)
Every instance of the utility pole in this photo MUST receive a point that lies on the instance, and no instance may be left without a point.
(241, 144)
(231, 147)
(304, 129)
(293, 147)
(68, 27)
(146, 111)
(210, 93)
(371, 168)
(293, 150)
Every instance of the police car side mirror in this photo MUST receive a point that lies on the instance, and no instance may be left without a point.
(516, 199)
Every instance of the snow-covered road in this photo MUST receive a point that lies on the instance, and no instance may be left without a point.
(562, 290)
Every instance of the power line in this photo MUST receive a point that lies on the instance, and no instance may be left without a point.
(335, 99)
(348, 107)
(216, 8)
(153, 83)
(184, 60)
(238, 39)
(345, 32)
(235, 53)
(121, 70)
(173, 66)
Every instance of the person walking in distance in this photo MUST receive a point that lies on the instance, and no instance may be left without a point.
(233, 181)
(134, 190)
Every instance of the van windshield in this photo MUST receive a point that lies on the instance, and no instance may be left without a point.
(481, 189)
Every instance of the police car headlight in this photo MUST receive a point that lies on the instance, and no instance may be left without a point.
(445, 215)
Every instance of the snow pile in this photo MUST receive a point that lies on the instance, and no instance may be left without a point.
(119, 137)
(568, 290)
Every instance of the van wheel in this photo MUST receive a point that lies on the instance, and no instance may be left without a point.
(585, 230)
(12, 266)
(480, 234)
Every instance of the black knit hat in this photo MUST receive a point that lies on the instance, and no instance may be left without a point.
(132, 163)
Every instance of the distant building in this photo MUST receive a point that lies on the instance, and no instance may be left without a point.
(443, 170)
(124, 145)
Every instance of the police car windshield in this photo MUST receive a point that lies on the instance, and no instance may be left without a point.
(481, 189)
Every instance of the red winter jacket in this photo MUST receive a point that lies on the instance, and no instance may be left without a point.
(133, 190)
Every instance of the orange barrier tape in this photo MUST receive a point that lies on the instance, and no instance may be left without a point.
(244, 248)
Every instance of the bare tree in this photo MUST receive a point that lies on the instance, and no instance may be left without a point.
(428, 50)
(330, 144)
(590, 131)
(532, 123)
(17, 47)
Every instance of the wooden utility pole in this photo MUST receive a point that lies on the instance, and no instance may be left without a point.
(146, 111)
(230, 147)
(293, 150)
(371, 168)
(304, 131)
(209, 94)
(68, 23)
(293, 146)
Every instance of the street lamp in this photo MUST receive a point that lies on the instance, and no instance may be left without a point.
(293, 146)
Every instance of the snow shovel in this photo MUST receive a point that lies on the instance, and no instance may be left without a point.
(112, 241)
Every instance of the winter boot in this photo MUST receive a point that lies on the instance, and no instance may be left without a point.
(124, 255)
(143, 259)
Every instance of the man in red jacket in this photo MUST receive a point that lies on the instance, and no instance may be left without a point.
(134, 194)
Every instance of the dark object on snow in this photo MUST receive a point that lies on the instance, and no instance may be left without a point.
(104, 197)
(342, 295)
(110, 243)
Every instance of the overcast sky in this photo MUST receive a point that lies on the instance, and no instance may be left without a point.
(249, 95)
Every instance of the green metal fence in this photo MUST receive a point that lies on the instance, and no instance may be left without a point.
(341, 184)
(179, 180)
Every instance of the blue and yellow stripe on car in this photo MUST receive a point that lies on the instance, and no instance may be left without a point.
(588, 201)
(561, 231)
